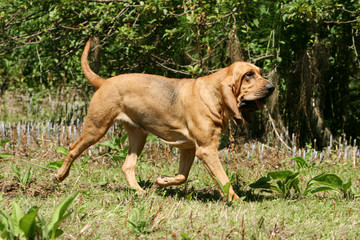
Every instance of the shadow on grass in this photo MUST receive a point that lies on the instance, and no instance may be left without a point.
(208, 194)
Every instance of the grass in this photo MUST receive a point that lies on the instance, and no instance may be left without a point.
(106, 208)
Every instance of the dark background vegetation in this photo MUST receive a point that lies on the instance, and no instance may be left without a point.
(308, 48)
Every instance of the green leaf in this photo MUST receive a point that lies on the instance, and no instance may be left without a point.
(321, 189)
(26, 178)
(274, 188)
(5, 155)
(85, 161)
(16, 169)
(123, 138)
(3, 142)
(279, 174)
(292, 176)
(15, 217)
(62, 150)
(227, 188)
(301, 162)
(28, 224)
(262, 182)
(329, 179)
(220, 186)
(346, 186)
(55, 165)
(58, 215)
(256, 22)
(108, 144)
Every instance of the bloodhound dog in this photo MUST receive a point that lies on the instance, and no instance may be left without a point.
(189, 114)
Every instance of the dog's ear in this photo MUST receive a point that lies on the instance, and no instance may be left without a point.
(230, 100)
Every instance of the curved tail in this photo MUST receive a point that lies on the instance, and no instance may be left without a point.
(93, 78)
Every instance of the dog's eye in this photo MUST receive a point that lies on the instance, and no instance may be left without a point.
(249, 74)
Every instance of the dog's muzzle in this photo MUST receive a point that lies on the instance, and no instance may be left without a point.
(257, 104)
(270, 89)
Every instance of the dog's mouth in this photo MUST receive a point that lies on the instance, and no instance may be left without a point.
(252, 105)
(247, 107)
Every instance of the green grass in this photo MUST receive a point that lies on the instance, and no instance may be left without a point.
(107, 209)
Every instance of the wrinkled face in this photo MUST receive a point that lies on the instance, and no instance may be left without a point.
(251, 88)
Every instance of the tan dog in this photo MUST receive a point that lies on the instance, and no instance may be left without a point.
(189, 114)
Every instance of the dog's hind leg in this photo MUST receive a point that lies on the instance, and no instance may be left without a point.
(96, 125)
(88, 137)
(137, 139)
(186, 160)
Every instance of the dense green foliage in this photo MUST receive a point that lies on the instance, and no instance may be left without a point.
(308, 48)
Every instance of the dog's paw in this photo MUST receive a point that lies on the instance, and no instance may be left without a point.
(55, 179)
(163, 181)
(141, 192)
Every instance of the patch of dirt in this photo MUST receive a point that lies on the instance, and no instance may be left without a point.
(8, 187)
(13, 188)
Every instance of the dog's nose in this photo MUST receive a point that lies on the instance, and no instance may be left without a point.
(269, 87)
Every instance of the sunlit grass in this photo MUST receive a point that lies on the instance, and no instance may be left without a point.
(106, 206)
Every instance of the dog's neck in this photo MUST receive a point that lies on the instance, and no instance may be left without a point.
(210, 92)
(217, 77)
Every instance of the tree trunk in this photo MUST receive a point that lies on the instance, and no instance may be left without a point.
(95, 43)
(310, 73)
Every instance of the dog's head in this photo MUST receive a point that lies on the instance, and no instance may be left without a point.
(249, 89)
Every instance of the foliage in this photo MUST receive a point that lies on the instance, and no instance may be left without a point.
(299, 44)
(4, 155)
(191, 211)
(288, 184)
(329, 182)
(23, 178)
(31, 225)
(116, 148)
(64, 151)
(225, 190)
(138, 222)
(303, 163)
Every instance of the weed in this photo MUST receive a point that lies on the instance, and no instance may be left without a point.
(22, 178)
(329, 182)
(185, 236)
(18, 225)
(287, 184)
(4, 155)
(116, 152)
(303, 163)
(286, 181)
(225, 190)
(64, 151)
(138, 222)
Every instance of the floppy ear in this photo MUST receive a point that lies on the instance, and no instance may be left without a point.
(230, 101)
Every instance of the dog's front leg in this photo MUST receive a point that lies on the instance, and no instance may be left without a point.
(209, 157)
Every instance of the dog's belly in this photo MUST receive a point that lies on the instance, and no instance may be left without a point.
(174, 136)
(183, 144)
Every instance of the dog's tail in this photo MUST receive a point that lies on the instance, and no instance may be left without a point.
(93, 78)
